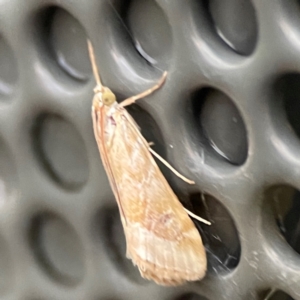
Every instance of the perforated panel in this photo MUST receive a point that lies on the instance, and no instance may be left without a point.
(227, 117)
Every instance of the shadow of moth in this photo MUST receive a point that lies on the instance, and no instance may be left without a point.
(161, 238)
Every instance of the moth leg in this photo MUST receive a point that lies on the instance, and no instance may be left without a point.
(132, 99)
(171, 168)
(197, 217)
(150, 144)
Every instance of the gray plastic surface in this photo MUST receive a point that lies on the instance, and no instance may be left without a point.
(227, 117)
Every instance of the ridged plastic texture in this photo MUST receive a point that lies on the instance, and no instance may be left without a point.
(227, 117)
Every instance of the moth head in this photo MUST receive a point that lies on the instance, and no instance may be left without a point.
(108, 97)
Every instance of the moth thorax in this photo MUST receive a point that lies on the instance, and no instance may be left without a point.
(108, 97)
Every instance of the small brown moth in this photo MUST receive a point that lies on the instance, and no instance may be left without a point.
(161, 238)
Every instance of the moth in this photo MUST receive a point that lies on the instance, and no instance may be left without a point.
(162, 241)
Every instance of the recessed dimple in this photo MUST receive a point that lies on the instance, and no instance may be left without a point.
(286, 91)
(191, 296)
(284, 204)
(63, 39)
(9, 184)
(221, 238)
(235, 23)
(145, 23)
(9, 192)
(61, 151)
(57, 248)
(68, 40)
(153, 40)
(220, 125)
(8, 70)
(276, 295)
(280, 295)
(7, 275)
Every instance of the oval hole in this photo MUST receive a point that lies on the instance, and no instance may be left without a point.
(287, 92)
(191, 296)
(235, 23)
(285, 204)
(145, 23)
(62, 40)
(57, 248)
(276, 295)
(220, 125)
(8, 69)
(150, 30)
(60, 150)
(220, 239)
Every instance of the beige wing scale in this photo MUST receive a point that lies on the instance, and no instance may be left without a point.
(161, 239)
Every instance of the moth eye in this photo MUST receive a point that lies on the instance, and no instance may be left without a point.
(106, 100)
(109, 98)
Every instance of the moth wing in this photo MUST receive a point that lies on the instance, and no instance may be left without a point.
(161, 239)
(99, 117)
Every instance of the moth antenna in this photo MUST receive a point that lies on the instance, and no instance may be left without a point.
(94, 64)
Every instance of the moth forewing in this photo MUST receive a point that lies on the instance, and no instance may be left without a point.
(161, 238)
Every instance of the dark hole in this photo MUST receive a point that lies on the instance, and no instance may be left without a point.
(60, 150)
(57, 248)
(146, 25)
(43, 25)
(62, 40)
(220, 125)
(150, 30)
(287, 90)
(220, 239)
(275, 295)
(234, 22)
(285, 202)
(191, 296)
